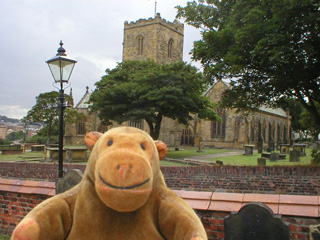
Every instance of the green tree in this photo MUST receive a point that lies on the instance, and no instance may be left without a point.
(137, 90)
(295, 108)
(45, 111)
(268, 48)
(309, 124)
(15, 136)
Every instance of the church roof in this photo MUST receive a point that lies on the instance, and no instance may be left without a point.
(275, 111)
(84, 102)
(263, 108)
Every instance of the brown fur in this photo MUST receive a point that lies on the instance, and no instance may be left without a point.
(122, 196)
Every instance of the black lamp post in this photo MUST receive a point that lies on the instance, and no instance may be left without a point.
(61, 68)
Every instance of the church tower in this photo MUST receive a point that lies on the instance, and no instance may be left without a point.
(155, 39)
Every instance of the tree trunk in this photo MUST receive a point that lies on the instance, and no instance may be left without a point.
(49, 131)
(155, 127)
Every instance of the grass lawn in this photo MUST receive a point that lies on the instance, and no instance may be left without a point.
(22, 156)
(183, 153)
(4, 237)
(243, 160)
(239, 160)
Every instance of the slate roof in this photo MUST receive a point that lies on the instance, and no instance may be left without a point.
(84, 102)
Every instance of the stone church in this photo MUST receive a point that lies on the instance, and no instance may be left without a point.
(158, 39)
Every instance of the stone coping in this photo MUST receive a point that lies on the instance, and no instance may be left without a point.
(289, 205)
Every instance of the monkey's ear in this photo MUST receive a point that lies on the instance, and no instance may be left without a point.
(162, 149)
(91, 138)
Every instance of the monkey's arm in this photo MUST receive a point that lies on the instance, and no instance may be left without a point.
(51, 219)
(178, 221)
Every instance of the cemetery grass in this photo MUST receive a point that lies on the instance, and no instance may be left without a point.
(21, 157)
(243, 160)
(187, 152)
(4, 237)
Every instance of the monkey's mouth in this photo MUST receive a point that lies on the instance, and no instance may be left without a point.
(123, 188)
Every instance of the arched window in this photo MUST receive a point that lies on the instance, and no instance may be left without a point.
(252, 130)
(81, 127)
(186, 137)
(170, 48)
(102, 128)
(136, 124)
(218, 129)
(140, 45)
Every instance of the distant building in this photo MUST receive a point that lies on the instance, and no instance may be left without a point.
(162, 41)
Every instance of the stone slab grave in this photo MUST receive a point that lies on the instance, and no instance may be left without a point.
(294, 156)
(68, 181)
(255, 221)
(248, 150)
(301, 148)
(274, 156)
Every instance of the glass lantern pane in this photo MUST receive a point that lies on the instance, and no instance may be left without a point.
(66, 71)
(55, 70)
(61, 69)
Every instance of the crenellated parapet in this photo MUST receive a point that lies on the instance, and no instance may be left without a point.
(175, 25)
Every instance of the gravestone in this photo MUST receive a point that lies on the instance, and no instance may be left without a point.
(274, 156)
(262, 161)
(301, 148)
(271, 146)
(255, 221)
(284, 148)
(68, 181)
(314, 231)
(248, 150)
(294, 156)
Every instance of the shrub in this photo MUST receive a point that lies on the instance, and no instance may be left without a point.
(315, 154)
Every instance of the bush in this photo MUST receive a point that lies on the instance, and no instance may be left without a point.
(44, 139)
(5, 141)
(315, 154)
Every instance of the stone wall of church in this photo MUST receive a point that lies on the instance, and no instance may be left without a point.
(244, 129)
(156, 33)
(91, 121)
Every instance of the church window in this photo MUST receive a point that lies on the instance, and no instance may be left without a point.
(186, 137)
(102, 128)
(170, 48)
(140, 45)
(136, 124)
(81, 127)
(218, 129)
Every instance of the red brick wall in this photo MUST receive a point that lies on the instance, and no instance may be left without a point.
(14, 206)
(301, 180)
(214, 225)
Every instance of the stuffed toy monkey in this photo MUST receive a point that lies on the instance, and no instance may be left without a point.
(122, 196)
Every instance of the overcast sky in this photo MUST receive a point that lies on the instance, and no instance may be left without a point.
(92, 33)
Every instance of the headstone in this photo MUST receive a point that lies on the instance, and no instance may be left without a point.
(294, 156)
(255, 221)
(301, 148)
(271, 145)
(262, 161)
(219, 163)
(248, 149)
(314, 231)
(68, 181)
(274, 156)
(284, 148)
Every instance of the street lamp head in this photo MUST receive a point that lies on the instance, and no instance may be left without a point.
(61, 66)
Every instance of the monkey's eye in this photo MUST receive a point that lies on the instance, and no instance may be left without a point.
(143, 146)
(110, 142)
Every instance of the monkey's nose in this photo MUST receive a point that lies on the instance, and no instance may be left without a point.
(123, 169)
